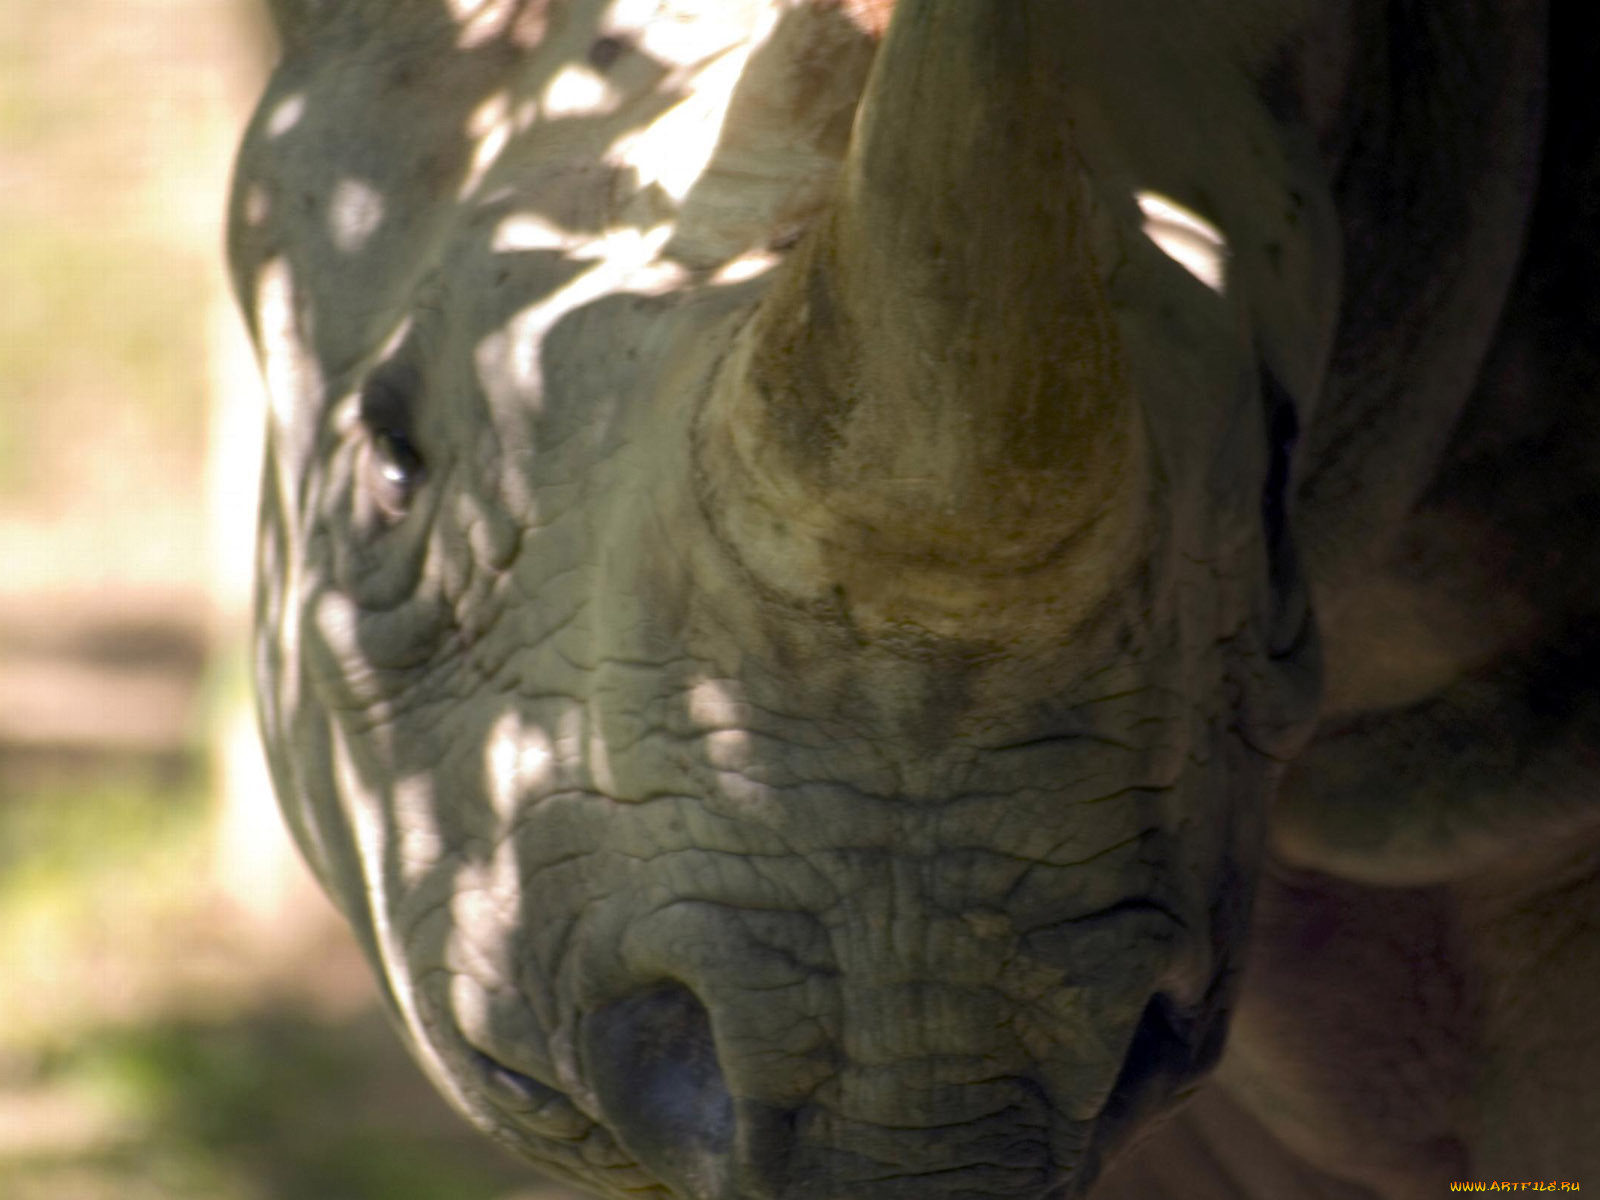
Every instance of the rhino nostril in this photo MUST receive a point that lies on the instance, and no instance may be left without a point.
(653, 1066)
(1169, 1053)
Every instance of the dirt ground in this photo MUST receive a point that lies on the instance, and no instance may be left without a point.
(181, 1015)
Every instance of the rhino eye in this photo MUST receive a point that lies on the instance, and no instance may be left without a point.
(392, 467)
(394, 470)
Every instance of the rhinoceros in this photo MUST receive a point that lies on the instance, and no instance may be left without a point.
(846, 585)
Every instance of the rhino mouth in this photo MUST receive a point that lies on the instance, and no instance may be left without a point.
(915, 1038)
(652, 1065)
(975, 1051)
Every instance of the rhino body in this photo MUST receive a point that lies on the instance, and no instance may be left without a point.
(845, 585)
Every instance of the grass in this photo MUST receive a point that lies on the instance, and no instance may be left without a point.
(103, 819)
(90, 865)
(274, 1106)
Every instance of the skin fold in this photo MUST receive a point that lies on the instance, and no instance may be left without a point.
(846, 587)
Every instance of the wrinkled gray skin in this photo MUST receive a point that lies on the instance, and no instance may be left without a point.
(793, 615)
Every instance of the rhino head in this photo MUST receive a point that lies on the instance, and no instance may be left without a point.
(777, 620)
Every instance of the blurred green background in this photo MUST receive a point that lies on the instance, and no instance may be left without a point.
(181, 1015)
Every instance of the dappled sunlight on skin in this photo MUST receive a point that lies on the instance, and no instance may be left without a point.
(519, 762)
(286, 115)
(257, 206)
(712, 704)
(597, 759)
(485, 897)
(370, 829)
(714, 707)
(578, 91)
(421, 840)
(1187, 238)
(529, 231)
(413, 867)
(481, 20)
(290, 371)
(685, 32)
(491, 127)
(624, 258)
(746, 267)
(673, 152)
(354, 213)
(472, 1008)
(569, 739)
(336, 624)
(392, 344)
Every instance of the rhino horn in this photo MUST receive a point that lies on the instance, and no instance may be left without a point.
(935, 381)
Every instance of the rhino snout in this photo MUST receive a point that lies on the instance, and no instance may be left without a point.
(883, 1078)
